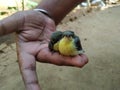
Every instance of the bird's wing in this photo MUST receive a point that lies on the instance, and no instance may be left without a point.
(77, 43)
(55, 37)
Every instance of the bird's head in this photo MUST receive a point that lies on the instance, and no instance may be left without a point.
(69, 35)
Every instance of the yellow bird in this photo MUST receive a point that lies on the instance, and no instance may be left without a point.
(69, 44)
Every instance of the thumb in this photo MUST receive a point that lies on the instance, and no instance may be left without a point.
(11, 23)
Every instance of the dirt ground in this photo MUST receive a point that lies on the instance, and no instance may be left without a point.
(99, 33)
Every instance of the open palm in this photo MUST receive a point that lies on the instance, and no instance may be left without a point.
(33, 30)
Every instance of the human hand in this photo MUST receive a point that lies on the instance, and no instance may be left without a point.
(33, 32)
(34, 36)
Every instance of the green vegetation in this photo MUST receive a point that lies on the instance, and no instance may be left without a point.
(28, 4)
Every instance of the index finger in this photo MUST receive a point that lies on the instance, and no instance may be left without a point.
(55, 58)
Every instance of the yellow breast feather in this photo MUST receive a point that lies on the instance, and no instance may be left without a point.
(67, 47)
(56, 46)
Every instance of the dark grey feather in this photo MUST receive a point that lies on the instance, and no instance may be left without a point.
(77, 43)
(55, 37)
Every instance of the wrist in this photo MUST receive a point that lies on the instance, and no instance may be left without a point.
(58, 9)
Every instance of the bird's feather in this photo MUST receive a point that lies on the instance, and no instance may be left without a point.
(77, 43)
(55, 37)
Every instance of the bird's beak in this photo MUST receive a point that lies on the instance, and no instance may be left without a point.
(68, 37)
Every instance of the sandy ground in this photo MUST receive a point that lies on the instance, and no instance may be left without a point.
(99, 33)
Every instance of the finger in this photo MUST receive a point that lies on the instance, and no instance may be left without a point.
(77, 61)
(27, 65)
(55, 58)
(11, 23)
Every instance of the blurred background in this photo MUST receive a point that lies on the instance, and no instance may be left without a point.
(97, 23)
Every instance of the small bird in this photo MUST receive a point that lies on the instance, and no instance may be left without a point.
(68, 44)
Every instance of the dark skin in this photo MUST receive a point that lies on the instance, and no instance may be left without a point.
(33, 30)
